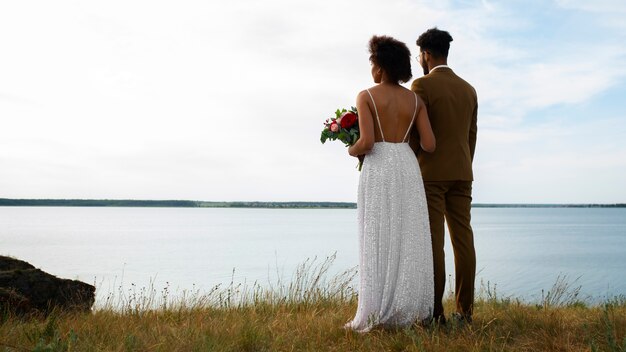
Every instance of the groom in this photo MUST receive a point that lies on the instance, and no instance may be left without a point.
(452, 109)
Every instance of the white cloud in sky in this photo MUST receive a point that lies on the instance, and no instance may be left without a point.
(601, 6)
(224, 101)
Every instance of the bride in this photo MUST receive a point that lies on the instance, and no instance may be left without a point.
(395, 253)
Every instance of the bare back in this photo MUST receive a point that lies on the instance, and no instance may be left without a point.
(396, 107)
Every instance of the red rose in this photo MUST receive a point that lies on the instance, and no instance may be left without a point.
(334, 127)
(348, 119)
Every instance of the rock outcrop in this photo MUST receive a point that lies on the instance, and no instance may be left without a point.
(25, 290)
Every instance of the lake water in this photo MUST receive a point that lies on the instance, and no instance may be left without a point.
(520, 250)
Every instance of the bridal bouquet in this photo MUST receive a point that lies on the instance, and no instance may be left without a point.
(344, 127)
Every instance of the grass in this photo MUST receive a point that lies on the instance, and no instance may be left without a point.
(306, 314)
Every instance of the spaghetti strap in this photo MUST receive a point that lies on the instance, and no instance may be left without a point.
(377, 119)
(412, 120)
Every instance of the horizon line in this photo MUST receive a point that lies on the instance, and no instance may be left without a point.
(241, 203)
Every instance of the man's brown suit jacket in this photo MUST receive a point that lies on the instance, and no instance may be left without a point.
(452, 107)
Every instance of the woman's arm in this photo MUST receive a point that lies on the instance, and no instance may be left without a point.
(365, 143)
(427, 137)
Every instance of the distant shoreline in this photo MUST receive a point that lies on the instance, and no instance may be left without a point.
(269, 205)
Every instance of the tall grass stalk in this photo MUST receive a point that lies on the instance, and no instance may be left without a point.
(306, 313)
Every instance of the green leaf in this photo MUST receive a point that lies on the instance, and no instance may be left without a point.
(325, 135)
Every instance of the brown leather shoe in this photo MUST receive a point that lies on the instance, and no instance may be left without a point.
(438, 321)
(461, 319)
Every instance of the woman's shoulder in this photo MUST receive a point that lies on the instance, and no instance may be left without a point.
(370, 90)
(363, 94)
(382, 92)
(406, 93)
(380, 89)
(369, 93)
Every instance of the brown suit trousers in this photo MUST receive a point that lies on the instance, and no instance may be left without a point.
(452, 107)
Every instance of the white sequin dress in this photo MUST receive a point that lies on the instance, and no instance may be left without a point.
(395, 254)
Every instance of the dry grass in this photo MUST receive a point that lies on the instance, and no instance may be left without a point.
(307, 315)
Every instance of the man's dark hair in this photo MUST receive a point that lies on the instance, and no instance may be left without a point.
(436, 42)
(391, 55)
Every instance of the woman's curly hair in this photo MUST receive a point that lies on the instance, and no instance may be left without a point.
(391, 55)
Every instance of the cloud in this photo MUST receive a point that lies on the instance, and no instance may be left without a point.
(602, 6)
(525, 74)
(210, 100)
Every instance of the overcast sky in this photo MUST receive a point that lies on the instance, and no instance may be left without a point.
(224, 100)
